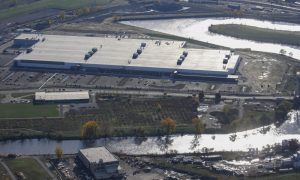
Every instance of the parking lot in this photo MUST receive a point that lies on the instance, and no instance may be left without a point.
(263, 79)
(13, 80)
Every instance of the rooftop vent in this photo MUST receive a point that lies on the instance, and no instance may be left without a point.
(90, 53)
(94, 50)
(29, 50)
(139, 51)
(179, 61)
(87, 56)
(135, 55)
(185, 53)
(228, 55)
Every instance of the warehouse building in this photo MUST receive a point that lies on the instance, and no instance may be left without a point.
(100, 162)
(124, 56)
(61, 97)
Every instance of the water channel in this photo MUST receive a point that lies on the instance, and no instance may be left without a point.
(254, 138)
(197, 29)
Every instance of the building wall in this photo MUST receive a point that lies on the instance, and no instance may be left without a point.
(24, 42)
(234, 69)
(83, 160)
(122, 69)
(60, 101)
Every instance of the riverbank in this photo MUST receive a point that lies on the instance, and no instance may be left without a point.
(128, 115)
(257, 34)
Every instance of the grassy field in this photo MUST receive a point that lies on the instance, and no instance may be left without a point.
(119, 117)
(3, 173)
(27, 111)
(127, 116)
(23, 95)
(205, 173)
(29, 167)
(252, 118)
(289, 176)
(29, 6)
(257, 34)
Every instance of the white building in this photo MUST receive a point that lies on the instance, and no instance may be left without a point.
(101, 163)
(131, 56)
(61, 97)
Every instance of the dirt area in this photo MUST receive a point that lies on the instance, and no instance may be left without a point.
(262, 74)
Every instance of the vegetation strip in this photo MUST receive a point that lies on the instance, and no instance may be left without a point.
(257, 34)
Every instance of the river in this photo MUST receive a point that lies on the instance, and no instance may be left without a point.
(154, 145)
(197, 29)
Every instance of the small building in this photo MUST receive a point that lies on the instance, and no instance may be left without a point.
(100, 162)
(61, 97)
(257, 8)
(27, 41)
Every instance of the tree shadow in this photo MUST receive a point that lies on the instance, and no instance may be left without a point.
(164, 143)
(195, 142)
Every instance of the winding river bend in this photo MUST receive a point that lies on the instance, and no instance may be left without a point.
(153, 145)
(197, 28)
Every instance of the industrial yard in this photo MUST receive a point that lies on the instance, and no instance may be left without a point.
(169, 98)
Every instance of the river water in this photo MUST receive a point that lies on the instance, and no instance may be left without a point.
(154, 145)
(197, 28)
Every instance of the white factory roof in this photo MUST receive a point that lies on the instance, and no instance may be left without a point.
(94, 155)
(56, 96)
(114, 52)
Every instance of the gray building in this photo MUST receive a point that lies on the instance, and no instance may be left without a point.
(100, 162)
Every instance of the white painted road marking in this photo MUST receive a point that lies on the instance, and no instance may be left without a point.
(48, 80)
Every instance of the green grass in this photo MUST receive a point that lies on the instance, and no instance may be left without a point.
(26, 8)
(27, 111)
(257, 34)
(289, 176)
(3, 173)
(29, 167)
(23, 95)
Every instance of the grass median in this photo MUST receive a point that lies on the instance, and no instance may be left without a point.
(257, 34)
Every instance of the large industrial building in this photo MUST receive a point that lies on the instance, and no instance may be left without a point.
(123, 56)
